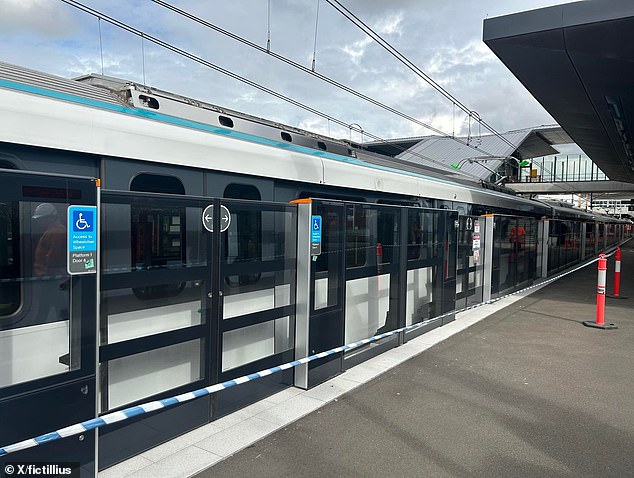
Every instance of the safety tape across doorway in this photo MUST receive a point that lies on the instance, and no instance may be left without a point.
(148, 407)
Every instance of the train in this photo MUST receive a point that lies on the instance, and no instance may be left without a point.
(153, 244)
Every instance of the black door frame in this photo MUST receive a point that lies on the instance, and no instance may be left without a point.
(234, 398)
(42, 405)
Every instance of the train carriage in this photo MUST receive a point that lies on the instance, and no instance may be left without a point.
(204, 272)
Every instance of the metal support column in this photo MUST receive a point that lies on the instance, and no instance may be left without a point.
(302, 297)
(488, 257)
(583, 240)
(543, 245)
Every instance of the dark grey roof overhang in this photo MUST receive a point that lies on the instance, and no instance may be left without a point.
(577, 60)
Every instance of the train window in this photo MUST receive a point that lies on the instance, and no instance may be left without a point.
(397, 203)
(336, 197)
(225, 121)
(149, 102)
(286, 136)
(7, 164)
(369, 232)
(157, 183)
(321, 145)
(9, 259)
(461, 208)
(244, 238)
(242, 191)
(158, 232)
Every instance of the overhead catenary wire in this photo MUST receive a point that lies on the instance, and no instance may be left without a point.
(316, 74)
(394, 52)
(202, 61)
(468, 143)
(409, 64)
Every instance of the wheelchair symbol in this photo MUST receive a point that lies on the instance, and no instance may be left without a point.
(81, 223)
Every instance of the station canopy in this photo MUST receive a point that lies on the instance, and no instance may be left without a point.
(476, 156)
(577, 60)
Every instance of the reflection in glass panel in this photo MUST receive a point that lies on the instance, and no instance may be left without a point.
(9, 259)
(357, 235)
(419, 295)
(243, 243)
(158, 238)
(328, 264)
(514, 252)
(367, 306)
(422, 235)
(415, 221)
(145, 374)
(564, 243)
(371, 235)
(590, 239)
(387, 235)
(257, 341)
(116, 236)
(152, 237)
(37, 351)
(35, 315)
(250, 301)
(130, 316)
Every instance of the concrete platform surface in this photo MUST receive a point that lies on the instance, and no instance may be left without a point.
(528, 391)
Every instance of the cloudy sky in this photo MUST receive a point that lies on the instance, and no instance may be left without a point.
(442, 37)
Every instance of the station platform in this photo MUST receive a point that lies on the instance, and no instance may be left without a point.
(515, 388)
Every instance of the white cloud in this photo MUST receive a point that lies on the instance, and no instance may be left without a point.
(35, 17)
(357, 49)
(390, 25)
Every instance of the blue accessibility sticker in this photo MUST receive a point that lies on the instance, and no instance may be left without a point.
(315, 229)
(82, 239)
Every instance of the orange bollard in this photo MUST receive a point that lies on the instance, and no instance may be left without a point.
(617, 276)
(617, 272)
(600, 321)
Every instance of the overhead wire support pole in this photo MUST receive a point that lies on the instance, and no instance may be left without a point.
(315, 42)
(268, 29)
(143, 59)
(100, 43)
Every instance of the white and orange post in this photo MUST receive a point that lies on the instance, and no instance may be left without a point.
(603, 269)
(617, 276)
(600, 320)
(617, 272)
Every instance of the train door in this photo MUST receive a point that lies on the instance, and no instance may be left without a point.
(47, 316)
(470, 268)
(155, 316)
(375, 277)
(253, 297)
